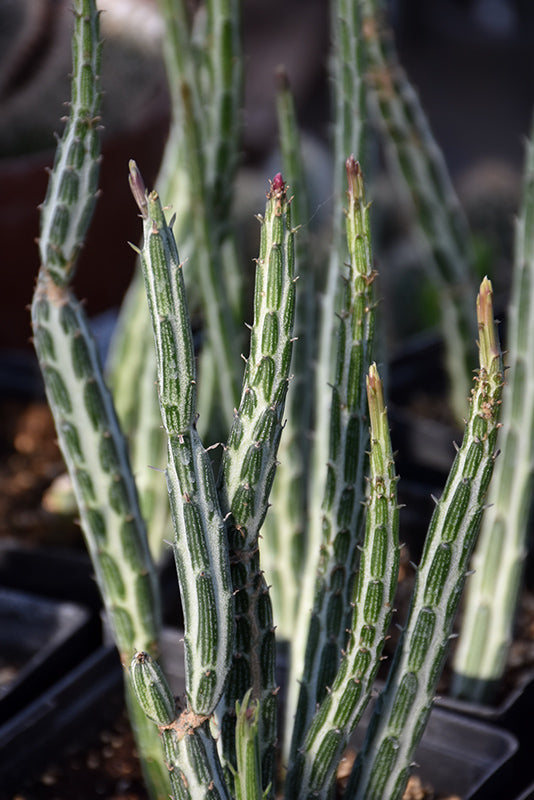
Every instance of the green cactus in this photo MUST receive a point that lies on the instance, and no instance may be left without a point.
(190, 750)
(383, 765)
(89, 434)
(284, 526)
(342, 512)
(416, 160)
(493, 591)
(200, 552)
(349, 137)
(249, 465)
(345, 514)
(248, 469)
(315, 762)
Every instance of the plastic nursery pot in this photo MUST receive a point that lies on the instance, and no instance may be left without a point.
(73, 709)
(456, 755)
(48, 627)
(513, 713)
(40, 639)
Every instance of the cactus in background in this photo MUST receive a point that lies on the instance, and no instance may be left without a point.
(416, 159)
(383, 764)
(348, 138)
(493, 591)
(205, 82)
(343, 493)
(201, 200)
(284, 526)
(89, 434)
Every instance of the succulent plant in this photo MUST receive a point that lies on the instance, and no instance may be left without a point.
(345, 518)
(492, 598)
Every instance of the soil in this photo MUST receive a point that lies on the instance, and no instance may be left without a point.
(29, 461)
(105, 766)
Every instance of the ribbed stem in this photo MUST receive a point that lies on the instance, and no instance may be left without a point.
(283, 534)
(190, 750)
(401, 713)
(71, 194)
(89, 434)
(200, 535)
(493, 590)
(96, 456)
(249, 466)
(131, 360)
(348, 138)
(342, 514)
(248, 752)
(313, 770)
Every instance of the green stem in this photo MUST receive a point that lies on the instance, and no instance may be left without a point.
(383, 765)
(498, 561)
(200, 533)
(313, 770)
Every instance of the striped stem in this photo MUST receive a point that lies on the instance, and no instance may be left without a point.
(342, 516)
(200, 547)
(72, 187)
(248, 469)
(190, 750)
(383, 765)
(348, 138)
(313, 771)
(498, 561)
(284, 527)
(248, 753)
(89, 434)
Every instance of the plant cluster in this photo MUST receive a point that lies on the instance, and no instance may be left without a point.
(320, 509)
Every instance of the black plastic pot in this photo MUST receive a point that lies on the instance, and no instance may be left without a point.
(39, 640)
(456, 754)
(73, 709)
(49, 625)
(53, 572)
(514, 713)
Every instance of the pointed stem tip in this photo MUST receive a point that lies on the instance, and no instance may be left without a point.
(278, 184)
(137, 187)
(277, 188)
(488, 341)
(354, 177)
(375, 399)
